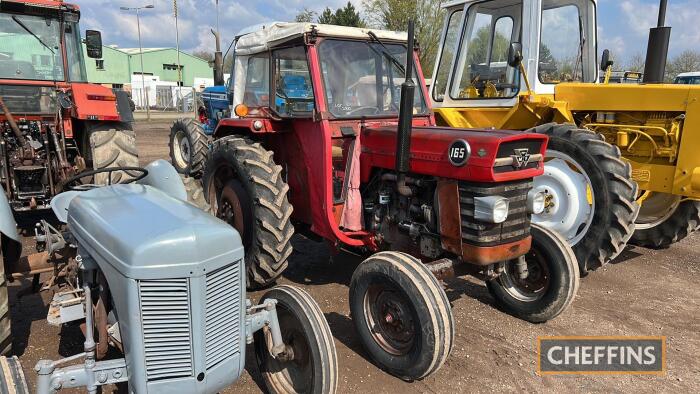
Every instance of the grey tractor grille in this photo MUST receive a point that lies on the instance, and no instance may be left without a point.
(516, 226)
(222, 331)
(165, 311)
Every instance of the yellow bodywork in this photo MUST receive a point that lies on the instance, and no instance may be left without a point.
(656, 127)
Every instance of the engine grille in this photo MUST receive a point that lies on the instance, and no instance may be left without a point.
(165, 312)
(222, 331)
(516, 226)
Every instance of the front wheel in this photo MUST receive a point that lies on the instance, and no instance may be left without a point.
(664, 219)
(550, 283)
(402, 315)
(309, 364)
(188, 147)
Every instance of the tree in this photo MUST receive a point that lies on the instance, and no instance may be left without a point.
(635, 63)
(686, 61)
(204, 55)
(306, 15)
(395, 14)
(346, 16)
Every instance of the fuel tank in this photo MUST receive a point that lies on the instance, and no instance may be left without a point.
(485, 155)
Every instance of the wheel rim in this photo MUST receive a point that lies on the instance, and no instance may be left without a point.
(532, 288)
(293, 371)
(181, 149)
(570, 206)
(655, 209)
(231, 203)
(389, 318)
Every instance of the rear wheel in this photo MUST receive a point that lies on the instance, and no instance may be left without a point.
(5, 325)
(590, 196)
(309, 363)
(188, 147)
(402, 315)
(195, 193)
(12, 378)
(550, 285)
(245, 188)
(665, 219)
(112, 145)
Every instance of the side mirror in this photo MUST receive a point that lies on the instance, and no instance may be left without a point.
(605, 61)
(515, 54)
(93, 44)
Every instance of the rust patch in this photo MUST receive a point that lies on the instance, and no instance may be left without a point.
(450, 222)
(480, 255)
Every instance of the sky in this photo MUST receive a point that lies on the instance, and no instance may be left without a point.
(623, 24)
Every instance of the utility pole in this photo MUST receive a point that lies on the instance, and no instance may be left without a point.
(143, 76)
(179, 67)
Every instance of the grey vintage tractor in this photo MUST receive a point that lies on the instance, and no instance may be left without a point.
(147, 273)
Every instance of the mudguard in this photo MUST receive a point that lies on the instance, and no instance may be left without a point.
(8, 225)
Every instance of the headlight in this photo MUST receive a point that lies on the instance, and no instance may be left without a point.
(535, 202)
(492, 209)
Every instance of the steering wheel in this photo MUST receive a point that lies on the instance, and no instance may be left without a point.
(358, 109)
(73, 183)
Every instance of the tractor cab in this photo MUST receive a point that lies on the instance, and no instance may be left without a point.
(557, 40)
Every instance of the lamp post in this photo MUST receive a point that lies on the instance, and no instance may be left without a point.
(179, 66)
(143, 76)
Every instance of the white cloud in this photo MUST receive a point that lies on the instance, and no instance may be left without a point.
(682, 16)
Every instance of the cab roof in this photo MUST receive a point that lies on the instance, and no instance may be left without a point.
(57, 4)
(260, 38)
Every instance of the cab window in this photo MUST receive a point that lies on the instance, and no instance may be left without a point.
(293, 93)
(483, 71)
(448, 54)
(257, 83)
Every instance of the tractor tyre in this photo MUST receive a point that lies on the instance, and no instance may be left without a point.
(195, 193)
(313, 365)
(591, 197)
(111, 145)
(5, 324)
(188, 147)
(12, 379)
(401, 314)
(551, 283)
(245, 188)
(665, 219)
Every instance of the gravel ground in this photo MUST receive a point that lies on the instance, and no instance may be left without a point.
(643, 292)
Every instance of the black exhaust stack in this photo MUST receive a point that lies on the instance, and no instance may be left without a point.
(657, 49)
(218, 61)
(403, 137)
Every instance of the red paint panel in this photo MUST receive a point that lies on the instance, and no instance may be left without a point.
(93, 109)
(429, 146)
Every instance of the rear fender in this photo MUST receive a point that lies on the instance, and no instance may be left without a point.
(95, 102)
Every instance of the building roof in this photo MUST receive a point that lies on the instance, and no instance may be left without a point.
(136, 51)
(262, 37)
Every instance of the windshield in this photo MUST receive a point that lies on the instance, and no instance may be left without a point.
(360, 79)
(694, 80)
(30, 48)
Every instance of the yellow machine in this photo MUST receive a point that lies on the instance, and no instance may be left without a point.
(624, 159)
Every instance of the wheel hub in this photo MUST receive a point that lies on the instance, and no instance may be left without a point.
(390, 319)
(531, 288)
(655, 209)
(182, 149)
(569, 203)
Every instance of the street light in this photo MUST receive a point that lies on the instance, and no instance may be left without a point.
(179, 66)
(143, 76)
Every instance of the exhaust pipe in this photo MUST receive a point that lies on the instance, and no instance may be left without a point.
(657, 49)
(403, 136)
(218, 61)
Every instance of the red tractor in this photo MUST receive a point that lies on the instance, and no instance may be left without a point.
(356, 159)
(53, 124)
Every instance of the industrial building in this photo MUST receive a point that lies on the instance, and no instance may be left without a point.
(121, 68)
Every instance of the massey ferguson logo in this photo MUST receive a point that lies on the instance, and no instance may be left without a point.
(521, 158)
(459, 153)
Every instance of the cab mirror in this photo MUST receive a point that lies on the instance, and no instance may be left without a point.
(515, 54)
(93, 43)
(605, 61)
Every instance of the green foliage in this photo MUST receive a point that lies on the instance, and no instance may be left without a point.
(345, 16)
(479, 47)
(395, 14)
(306, 15)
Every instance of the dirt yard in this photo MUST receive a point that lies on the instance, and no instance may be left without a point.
(643, 292)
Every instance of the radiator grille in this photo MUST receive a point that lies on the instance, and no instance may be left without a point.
(165, 311)
(516, 226)
(221, 313)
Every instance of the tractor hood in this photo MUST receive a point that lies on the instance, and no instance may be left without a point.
(487, 160)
